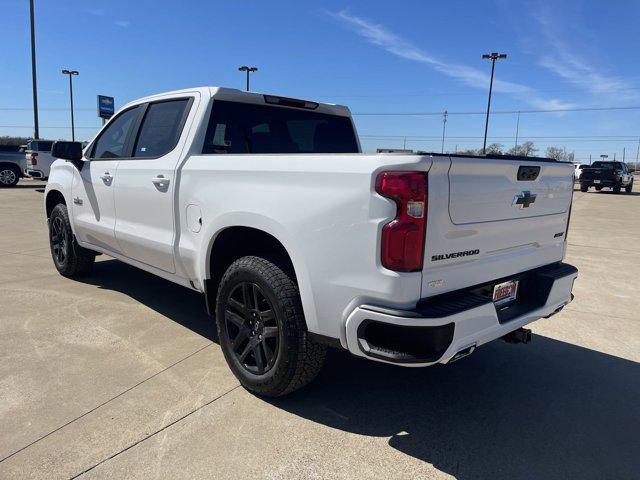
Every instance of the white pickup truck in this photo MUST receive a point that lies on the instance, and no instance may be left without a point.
(297, 240)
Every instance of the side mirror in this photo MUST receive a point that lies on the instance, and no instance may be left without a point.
(70, 151)
(67, 150)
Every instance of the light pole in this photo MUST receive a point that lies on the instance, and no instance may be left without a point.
(71, 73)
(244, 68)
(36, 129)
(493, 56)
(445, 114)
(604, 157)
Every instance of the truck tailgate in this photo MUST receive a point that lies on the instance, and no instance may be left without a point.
(491, 218)
(484, 190)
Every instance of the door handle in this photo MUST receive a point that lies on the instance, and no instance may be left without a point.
(160, 181)
(107, 177)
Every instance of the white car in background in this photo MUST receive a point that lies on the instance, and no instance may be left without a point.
(39, 159)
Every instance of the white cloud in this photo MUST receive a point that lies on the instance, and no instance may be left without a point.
(122, 23)
(380, 36)
(562, 61)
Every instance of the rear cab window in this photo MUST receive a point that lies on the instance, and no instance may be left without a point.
(40, 145)
(236, 127)
(604, 165)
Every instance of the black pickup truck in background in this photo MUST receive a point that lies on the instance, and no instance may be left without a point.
(614, 175)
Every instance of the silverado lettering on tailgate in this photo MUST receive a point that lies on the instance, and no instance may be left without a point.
(446, 256)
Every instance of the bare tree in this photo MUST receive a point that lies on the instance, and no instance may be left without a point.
(495, 149)
(525, 149)
(560, 154)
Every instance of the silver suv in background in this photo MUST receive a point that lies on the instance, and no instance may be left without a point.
(39, 159)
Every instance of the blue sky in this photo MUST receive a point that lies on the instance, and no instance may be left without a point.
(374, 56)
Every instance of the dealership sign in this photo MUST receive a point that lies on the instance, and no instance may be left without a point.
(105, 106)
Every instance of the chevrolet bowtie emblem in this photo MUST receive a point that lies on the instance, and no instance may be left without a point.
(524, 199)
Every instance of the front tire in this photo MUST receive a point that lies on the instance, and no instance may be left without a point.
(629, 187)
(262, 329)
(617, 187)
(69, 258)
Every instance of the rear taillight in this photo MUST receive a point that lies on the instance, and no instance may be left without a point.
(403, 238)
(613, 174)
(34, 160)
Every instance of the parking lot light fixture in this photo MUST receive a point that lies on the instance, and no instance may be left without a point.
(71, 73)
(493, 57)
(244, 68)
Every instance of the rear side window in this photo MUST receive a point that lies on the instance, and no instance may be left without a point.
(161, 128)
(248, 128)
(111, 143)
(44, 146)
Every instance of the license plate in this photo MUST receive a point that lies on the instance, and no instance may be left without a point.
(596, 181)
(504, 293)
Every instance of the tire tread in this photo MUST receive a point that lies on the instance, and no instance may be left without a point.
(307, 356)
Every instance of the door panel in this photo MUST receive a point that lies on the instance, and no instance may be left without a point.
(144, 193)
(92, 190)
(93, 205)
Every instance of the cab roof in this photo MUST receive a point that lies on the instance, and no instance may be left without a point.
(236, 95)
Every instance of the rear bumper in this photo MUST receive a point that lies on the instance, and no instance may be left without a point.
(30, 172)
(438, 328)
(600, 182)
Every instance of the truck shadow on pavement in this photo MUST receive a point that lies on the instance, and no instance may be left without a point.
(178, 303)
(545, 410)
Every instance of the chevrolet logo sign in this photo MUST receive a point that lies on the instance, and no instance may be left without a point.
(524, 199)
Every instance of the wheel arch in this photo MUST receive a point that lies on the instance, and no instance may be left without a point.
(53, 198)
(234, 242)
(12, 166)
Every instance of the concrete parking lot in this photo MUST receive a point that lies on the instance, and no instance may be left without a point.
(119, 376)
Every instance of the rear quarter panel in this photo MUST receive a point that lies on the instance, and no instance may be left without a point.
(322, 208)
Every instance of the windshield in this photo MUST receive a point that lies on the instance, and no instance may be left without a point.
(247, 128)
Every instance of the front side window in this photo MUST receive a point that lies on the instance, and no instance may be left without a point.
(111, 143)
(248, 128)
(161, 128)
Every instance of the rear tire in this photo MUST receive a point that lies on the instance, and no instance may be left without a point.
(584, 188)
(262, 329)
(9, 176)
(69, 258)
(629, 187)
(598, 189)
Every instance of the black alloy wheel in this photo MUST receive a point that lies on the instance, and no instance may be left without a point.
(251, 326)
(59, 238)
(69, 258)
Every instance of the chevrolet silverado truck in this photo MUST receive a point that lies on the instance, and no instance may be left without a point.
(299, 241)
(39, 159)
(614, 175)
